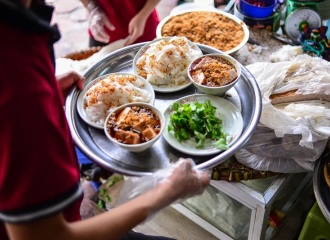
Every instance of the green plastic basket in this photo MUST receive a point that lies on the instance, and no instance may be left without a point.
(316, 226)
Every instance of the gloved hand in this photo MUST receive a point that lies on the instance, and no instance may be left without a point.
(182, 181)
(175, 183)
(97, 22)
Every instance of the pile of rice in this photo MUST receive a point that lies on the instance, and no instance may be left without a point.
(166, 62)
(111, 92)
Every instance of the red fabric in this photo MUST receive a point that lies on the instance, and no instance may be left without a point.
(37, 166)
(120, 13)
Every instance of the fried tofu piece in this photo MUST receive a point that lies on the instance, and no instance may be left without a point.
(149, 133)
(123, 115)
(127, 137)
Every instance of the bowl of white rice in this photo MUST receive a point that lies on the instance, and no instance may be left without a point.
(105, 93)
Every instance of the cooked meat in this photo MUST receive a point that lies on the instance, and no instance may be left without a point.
(213, 72)
(209, 28)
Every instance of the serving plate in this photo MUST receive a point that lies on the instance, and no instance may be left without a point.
(229, 114)
(166, 88)
(81, 101)
(94, 144)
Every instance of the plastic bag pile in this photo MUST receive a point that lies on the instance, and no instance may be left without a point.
(292, 136)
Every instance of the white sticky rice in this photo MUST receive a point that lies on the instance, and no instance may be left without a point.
(111, 92)
(166, 62)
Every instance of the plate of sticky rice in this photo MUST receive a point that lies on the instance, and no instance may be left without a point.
(164, 63)
(103, 94)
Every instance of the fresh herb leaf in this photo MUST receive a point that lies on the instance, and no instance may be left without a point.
(100, 204)
(197, 120)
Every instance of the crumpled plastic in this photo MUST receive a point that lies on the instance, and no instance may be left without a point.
(266, 152)
(135, 186)
(304, 126)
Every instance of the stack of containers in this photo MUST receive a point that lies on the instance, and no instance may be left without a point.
(262, 14)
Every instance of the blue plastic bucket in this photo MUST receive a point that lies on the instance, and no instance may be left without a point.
(254, 11)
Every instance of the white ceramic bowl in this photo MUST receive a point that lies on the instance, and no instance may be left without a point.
(207, 11)
(141, 146)
(219, 91)
(170, 87)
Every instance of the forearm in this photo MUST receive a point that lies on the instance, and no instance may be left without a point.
(148, 8)
(87, 2)
(131, 213)
(180, 181)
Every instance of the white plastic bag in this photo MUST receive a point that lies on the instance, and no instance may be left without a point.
(303, 125)
(266, 152)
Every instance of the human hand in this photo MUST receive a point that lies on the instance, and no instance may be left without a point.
(97, 21)
(184, 181)
(69, 79)
(135, 28)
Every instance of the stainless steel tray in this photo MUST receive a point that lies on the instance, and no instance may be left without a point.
(93, 143)
(321, 189)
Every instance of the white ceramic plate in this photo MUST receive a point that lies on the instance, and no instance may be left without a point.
(170, 87)
(229, 114)
(81, 102)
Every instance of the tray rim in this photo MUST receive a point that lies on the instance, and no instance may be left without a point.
(319, 186)
(213, 161)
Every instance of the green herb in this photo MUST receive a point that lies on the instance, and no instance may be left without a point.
(114, 180)
(100, 204)
(103, 193)
(197, 120)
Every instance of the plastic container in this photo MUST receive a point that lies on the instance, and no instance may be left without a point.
(316, 227)
(254, 11)
(271, 23)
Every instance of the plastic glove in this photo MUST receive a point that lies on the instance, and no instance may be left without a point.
(177, 182)
(183, 180)
(97, 22)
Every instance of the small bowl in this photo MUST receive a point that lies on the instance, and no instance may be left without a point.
(216, 90)
(135, 147)
(253, 11)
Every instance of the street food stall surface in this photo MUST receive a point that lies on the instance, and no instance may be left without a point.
(246, 195)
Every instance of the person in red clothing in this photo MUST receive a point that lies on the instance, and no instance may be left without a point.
(112, 20)
(40, 191)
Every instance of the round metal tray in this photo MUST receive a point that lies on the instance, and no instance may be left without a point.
(321, 189)
(93, 143)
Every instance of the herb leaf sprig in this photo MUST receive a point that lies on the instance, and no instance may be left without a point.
(197, 120)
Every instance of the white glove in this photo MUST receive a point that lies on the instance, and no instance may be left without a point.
(97, 21)
(180, 181)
